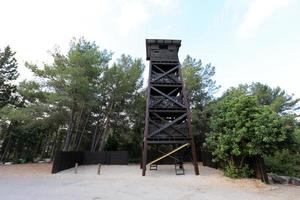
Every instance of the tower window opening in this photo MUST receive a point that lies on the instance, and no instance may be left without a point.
(163, 46)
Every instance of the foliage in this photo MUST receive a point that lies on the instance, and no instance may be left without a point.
(241, 127)
(284, 162)
(277, 98)
(232, 171)
(77, 102)
(112, 142)
(200, 87)
(198, 80)
(24, 125)
(8, 73)
(297, 138)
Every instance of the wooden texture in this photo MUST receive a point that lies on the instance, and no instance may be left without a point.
(167, 118)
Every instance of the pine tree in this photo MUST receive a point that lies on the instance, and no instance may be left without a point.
(8, 73)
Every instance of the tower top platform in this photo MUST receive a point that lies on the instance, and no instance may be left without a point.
(156, 49)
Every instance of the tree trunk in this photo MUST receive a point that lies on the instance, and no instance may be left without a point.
(95, 135)
(82, 132)
(54, 143)
(101, 139)
(75, 139)
(6, 150)
(44, 147)
(242, 162)
(7, 145)
(70, 129)
(37, 150)
(99, 136)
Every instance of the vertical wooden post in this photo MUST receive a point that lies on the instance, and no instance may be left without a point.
(141, 164)
(145, 147)
(99, 168)
(144, 164)
(76, 168)
(193, 147)
(194, 155)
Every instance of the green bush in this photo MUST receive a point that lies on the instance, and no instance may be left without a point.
(241, 128)
(112, 143)
(20, 161)
(232, 171)
(284, 162)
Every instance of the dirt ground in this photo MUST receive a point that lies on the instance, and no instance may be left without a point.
(34, 181)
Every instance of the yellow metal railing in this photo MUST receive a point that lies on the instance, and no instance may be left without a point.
(166, 155)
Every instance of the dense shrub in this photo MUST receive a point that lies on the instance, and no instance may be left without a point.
(284, 162)
(232, 171)
(242, 128)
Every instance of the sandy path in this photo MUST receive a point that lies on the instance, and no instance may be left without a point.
(34, 181)
(21, 170)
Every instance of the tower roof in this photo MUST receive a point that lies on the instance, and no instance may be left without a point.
(150, 42)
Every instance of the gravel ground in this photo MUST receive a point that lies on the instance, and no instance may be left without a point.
(34, 181)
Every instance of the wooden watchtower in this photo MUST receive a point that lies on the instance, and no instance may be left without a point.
(168, 119)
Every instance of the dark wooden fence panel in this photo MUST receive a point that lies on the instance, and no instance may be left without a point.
(65, 160)
(91, 158)
(118, 158)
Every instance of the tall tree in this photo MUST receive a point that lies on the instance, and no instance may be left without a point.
(200, 90)
(199, 82)
(241, 127)
(72, 79)
(25, 124)
(277, 98)
(118, 89)
(97, 98)
(8, 73)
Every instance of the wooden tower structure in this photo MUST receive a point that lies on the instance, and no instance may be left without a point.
(168, 118)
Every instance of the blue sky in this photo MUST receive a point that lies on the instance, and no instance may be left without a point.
(246, 40)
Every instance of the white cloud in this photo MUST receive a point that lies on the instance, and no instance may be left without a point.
(133, 14)
(164, 4)
(259, 11)
(34, 27)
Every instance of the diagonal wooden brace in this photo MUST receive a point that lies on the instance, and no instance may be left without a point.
(162, 98)
(162, 71)
(163, 94)
(182, 133)
(167, 72)
(159, 126)
(167, 125)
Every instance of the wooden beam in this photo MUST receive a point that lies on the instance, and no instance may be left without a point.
(160, 92)
(170, 153)
(171, 125)
(163, 99)
(158, 126)
(162, 71)
(164, 63)
(189, 118)
(168, 124)
(167, 110)
(166, 85)
(164, 74)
